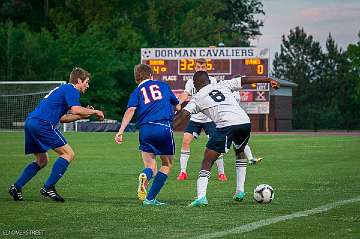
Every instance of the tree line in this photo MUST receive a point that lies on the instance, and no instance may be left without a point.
(328, 92)
(43, 40)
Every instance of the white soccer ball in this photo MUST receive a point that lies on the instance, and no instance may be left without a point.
(263, 193)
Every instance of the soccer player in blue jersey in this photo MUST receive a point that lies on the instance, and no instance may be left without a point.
(154, 104)
(41, 134)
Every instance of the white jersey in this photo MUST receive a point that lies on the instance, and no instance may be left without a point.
(190, 89)
(236, 95)
(217, 101)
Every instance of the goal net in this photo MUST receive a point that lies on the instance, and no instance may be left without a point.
(19, 98)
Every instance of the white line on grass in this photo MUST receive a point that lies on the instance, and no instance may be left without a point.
(255, 225)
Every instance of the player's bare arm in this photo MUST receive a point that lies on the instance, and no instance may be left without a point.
(72, 117)
(86, 112)
(124, 123)
(250, 80)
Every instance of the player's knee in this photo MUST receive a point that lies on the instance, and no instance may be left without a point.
(187, 139)
(167, 164)
(186, 145)
(42, 162)
(69, 155)
(206, 165)
(239, 153)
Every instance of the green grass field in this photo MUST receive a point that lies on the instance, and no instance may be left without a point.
(100, 191)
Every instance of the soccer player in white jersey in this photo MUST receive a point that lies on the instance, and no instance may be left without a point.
(196, 123)
(232, 127)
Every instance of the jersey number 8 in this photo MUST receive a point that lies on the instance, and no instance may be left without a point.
(154, 91)
(217, 96)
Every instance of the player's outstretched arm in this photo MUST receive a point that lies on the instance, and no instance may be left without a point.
(255, 79)
(180, 117)
(124, 123)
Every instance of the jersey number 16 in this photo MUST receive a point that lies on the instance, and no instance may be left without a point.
(154, 92)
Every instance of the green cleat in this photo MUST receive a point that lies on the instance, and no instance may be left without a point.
(152, 202)
(239, 196)
(254, 161)
(201, 202)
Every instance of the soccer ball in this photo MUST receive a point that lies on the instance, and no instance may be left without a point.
(263, 193)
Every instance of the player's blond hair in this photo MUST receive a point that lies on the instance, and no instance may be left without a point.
(78, 73)
(142, 72)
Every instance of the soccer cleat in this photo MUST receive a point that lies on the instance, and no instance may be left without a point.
(200, 202)
(141, 192)
(15, 193)
(51, 193)
(222, 177)
(152, 202)
(182, 176)
(254, 161)
(239, 196)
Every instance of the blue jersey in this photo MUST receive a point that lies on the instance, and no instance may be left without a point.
(55, 104)
(154, 102)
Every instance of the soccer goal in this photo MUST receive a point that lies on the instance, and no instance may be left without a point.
(19, 98)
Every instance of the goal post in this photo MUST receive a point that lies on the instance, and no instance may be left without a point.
(19, 98)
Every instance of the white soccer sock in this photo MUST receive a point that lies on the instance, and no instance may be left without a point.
(247, 152)
(240, 174)
(220, 164)
(202, 183)
(184, 157)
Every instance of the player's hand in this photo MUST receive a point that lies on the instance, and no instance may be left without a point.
(178, 107)
(274, 84)
(119, 138)
(99, 115)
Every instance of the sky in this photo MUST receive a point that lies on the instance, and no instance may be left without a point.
(317, 17)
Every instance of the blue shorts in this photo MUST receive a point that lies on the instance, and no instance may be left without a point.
(195, 128)
(157, 138)
(40, 136)
(222, 138)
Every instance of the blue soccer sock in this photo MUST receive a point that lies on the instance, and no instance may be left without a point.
(57, 172)
(148, 172)
(158, 183)
(29, 172)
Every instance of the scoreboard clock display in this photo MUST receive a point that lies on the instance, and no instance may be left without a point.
(176, 66)
(214, 66)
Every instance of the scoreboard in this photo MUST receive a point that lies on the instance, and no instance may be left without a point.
(176, 66)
